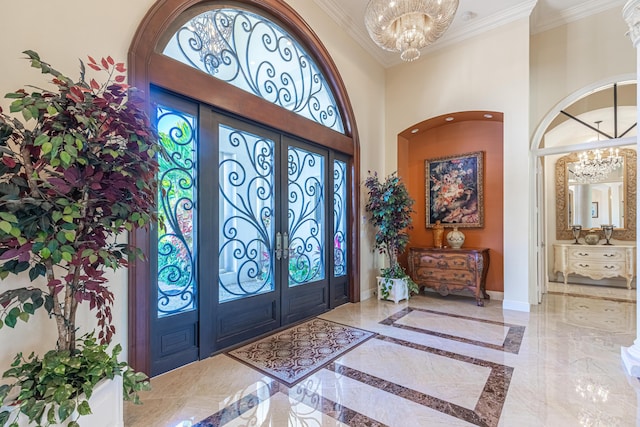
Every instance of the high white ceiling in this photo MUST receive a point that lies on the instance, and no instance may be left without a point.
(473, 17)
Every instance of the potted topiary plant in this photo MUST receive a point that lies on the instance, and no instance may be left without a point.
(79, 173)
(390, 208)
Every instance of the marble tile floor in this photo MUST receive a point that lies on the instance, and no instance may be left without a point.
(435, 361)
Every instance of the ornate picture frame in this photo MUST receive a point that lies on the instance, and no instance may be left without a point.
(455, 190)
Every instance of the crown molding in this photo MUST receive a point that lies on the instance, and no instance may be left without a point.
(334, 9)
(482, 25)
(575, 13)
(387, 59)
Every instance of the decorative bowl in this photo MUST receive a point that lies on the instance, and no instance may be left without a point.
(592, 239)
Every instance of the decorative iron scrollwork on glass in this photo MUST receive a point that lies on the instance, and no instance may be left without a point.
(176, 213)
(306, 216)
(246, 214)
(339, 218)
(254, 54)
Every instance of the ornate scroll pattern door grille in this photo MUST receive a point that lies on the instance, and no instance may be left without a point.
(246, 202)
(255, 54)
(306, 216)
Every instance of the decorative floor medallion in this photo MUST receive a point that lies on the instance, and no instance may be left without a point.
(295, 353)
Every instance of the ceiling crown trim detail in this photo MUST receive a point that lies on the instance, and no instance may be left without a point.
(575, 13)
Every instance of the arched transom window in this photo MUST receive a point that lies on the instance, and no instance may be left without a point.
(255, 54)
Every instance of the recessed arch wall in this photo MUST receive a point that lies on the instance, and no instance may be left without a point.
(468, 131)
(148, 67)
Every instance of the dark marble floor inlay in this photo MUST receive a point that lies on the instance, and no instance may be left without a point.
(511, 343)
(241, 407)
(302, 393)
(488, 408)
(297, 352)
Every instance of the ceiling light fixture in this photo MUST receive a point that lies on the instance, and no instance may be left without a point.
(593, 166)
(407, 26)
(212, 31)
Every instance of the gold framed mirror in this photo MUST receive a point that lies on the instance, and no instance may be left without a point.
(618, 207)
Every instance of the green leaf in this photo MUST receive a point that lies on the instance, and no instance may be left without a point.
(41, 139)
(46, 147)
(8, 217)
(10, 321)
(33, 274)
(15, 232)
(45, 253)
(24, 316)
(67, 256)
(5, 226)
(26, 113)
(83, 408)
(70, 236)
(65, 157)
(52, 110)
(28, 308)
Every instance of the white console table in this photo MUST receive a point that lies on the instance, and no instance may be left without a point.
(595, 261)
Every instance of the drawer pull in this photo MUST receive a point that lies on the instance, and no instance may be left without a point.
(609, 255)
(442, 264)
(583, 265)
(609, 267)
(582, 254)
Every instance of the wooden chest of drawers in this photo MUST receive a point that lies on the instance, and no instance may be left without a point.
(446, 269)
(595, 261)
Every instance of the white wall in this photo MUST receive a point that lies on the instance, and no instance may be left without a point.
(487, 72)
(572, 57)
(63, 32)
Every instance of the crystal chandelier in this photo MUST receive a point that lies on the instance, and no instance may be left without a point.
(212, 31)
(408, 25)
(593, 166)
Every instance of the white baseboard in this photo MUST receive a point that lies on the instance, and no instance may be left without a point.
(367, 293)
(496, 295)
(516, 306)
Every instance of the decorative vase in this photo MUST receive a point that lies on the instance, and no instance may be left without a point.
(608, 232)
(438, 233)
(455, 238)
(592, 238)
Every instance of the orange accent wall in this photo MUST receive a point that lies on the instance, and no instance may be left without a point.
(458, 137)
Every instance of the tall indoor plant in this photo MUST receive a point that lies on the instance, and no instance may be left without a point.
(390, 207)
(76, 175)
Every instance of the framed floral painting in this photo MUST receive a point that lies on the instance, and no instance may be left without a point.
(454, 190)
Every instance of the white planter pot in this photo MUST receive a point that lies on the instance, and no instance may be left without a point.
(398, 289)
(106, 407)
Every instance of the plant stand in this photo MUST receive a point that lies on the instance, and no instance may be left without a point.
(106, 406)
(398, 289)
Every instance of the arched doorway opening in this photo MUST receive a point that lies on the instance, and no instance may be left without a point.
(601, 116)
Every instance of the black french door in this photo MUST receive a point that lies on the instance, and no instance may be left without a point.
(253, 235)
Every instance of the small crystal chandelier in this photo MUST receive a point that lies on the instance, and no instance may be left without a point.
(593, 166)
(212, 31)
(408, 25)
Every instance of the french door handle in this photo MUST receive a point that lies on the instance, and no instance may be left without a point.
(278, 245)
(285, 238)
